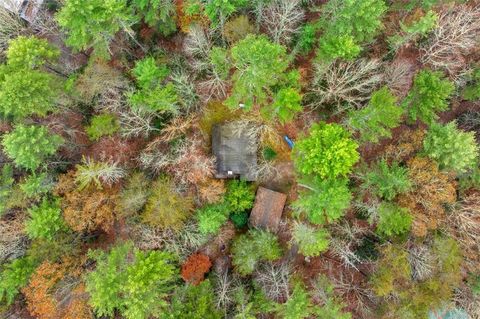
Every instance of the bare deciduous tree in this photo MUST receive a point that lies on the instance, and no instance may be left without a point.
(421, 261)
(11, 25)
(344, 84)
(281, 19)
(273, 279)
(13, 240)
(457, 34)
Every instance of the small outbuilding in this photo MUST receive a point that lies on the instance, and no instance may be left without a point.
(267, 210)
(26, 9)
(235, 153)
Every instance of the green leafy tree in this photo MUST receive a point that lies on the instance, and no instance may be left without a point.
(323, 200)
(159, 14)
(212, 217)
(415, 30)
(298, 305)
(286, 104)
(260, 65)
(14, 276)
(393, 220)
(328, 151)
(45, 220)
(359, 18)
(102, 125)
(162, 99)
(29, 146)
(452, 148)
(239, 196)
(6, 184)
(251, 248)
(219, 10)
(311, 241)
(134, 195)
(30, 52)
(428, 96)
(134, 282)
(148, 73)
(307, 38)
(376, 120)
(471, 92)
(165, 207)
(94, 23)
(386, 181)
(333, 46)
(193, 302)
(36, 185)
(26, 92)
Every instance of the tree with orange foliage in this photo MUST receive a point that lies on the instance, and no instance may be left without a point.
(431, 190)
(42, 292)
(195, 268)
(87, 209)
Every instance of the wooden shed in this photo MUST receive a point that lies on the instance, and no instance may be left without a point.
(26, 9)
(267, 210)
(235, 153)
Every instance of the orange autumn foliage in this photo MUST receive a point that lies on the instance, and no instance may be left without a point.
(42, 292)
(195, 268)
(432, 190)
(409, 142)
(88, 209)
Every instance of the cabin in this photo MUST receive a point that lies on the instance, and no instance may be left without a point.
(235, 153)
(267, 210)
(26, 9)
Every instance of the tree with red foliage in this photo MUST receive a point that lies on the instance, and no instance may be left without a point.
(195, 268)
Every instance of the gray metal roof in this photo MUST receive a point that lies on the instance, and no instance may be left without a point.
(235, 156)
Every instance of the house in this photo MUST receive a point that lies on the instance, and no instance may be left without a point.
(235, 153)
(267, 210)
(26, 9)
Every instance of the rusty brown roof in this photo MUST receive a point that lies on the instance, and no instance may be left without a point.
(267, 210)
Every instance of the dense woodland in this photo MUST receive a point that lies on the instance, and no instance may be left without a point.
(109, 205)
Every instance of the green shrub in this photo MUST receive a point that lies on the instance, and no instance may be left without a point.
(428, 96)
(29, 146)
(471, 92)
(240, 219)
(239, 196)
(450, 147)
(30, 52)
(14, 276)
(212, 217)
(328, 151)
(286, 104)
(386, 181)
(158, 14)
(45, 220)
(220, 62)
(251, 248)
(311, 241)
(376, 120)
(94, 23)
(193, 302)
(102, 125)
(26, 92)
(133, 282)
(260, 65)
(269, 154)
(393, 220)
(324, 200)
